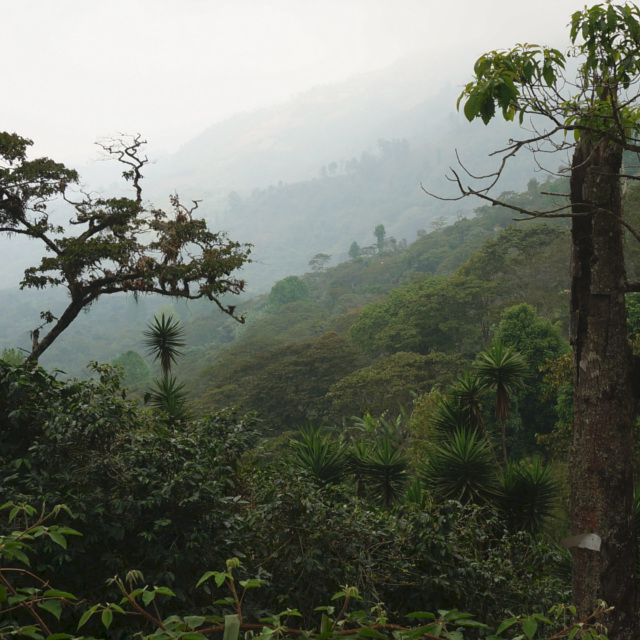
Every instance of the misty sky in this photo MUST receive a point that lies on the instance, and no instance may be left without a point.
(75, 70)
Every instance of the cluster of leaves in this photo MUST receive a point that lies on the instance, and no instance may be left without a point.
(28, 611)
(148, 494)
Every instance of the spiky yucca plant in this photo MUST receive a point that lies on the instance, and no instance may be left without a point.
(164, 341)
(169, 396)
(325, 458)
(383, 470)
(501, 369)
(461, 467)
(528, 495)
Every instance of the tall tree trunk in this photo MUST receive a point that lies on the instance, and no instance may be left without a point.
(601, 459)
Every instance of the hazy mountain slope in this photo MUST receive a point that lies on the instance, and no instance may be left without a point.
(273, 159)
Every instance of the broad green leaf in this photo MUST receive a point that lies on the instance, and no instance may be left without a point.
(472, 623)
(231, 627)
(325, 624)
(17, 598)
(434, 629)
(55, 593)
(115, 607)
(59, 636)
(194, 621)
(54, 607)
(68, 531)
(540, 618)
(250, 584)
(529, 626)
(205, 577)
(107, 618)
(453, 635)
(548, 74)
(472, 105)
(85, 616)
(220, 578)
(31, 632)
(147, 597)
(19, 555)
(58, 539)
(505, 624)
(421, 614)
(164, 591)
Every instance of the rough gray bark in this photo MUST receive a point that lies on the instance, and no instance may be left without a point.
(602, 450)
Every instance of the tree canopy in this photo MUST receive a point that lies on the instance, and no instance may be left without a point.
(121, 244)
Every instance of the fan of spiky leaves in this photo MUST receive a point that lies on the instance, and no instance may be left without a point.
(169, 396)
(381, 469)
(448, 415)
(325, 458)
(528, 495)
(164, 341)
(501, 369)
(468, 391)
(462, 467)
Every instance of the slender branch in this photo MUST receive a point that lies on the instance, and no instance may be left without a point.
(138, 608)
(26, 604)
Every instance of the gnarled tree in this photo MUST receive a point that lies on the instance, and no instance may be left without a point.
(122, 244)
(595, 115)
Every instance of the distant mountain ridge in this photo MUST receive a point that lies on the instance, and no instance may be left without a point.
(288, 148)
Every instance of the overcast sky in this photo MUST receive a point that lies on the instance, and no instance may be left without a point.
(75, 70)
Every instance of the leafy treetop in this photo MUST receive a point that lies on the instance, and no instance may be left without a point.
(122, 244)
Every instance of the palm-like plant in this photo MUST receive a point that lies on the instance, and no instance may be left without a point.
(528, 495)
(469, 391)
(462, 468)
(448, 416)
(169, 396)
(164, 341)
(325, 458)
(501, 369)
(382, 468)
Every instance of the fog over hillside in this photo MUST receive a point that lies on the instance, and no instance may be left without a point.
(337, 125)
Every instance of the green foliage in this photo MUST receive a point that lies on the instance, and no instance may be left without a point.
(169, 396)
(134, 366)
(502, 79)
(538, 341)
(462, 467)
(322, 456)
(120, 245)
(147, 495)
(391, 383)
(290, 289)
(529, 495)
(13, 356)
(382, 468)
(380, 232)
(431, 315)
(141, 604)
(633, 314)
(289, 384)
(164, 341)
(435, 556)
(501, 369)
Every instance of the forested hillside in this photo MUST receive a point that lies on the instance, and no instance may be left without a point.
(387, 352)
(371, 439)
